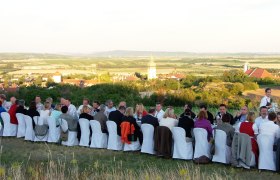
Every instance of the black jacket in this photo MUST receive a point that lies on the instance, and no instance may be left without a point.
(149, 119)
(187, 124)
(232, 122)
(210, 117)
(86, 116)
(116, 116)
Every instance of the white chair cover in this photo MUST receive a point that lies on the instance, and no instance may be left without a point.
(98, 139)
(40, 121)
(222, 151)
(72, 135)
(181, 149)
(21, 125)
(85, 132)
(148, 139)
(9, 128)
(202, 147)
(29, 132)
(267, 157)
(114, 140)
(134, 146)
(54, 132)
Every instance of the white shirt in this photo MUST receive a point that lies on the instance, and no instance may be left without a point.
(168, 122)
(45, 114)
(39, 107)
(81, 107)
(159, 115)
(258, 121)
(108, 110)
(269, 128)
(72, 111)
(6, 105)
(264, 101)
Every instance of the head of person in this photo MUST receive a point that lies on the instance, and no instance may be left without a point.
(57, 107)
(272, 116)
(2, 97)
(129, 112)
(263, 111)
(50, 100)
(251, 117)
(122, 109)
(95, 104)
(109, 103)
(152, 111)
(244, 110)
(226, 118)
(13, 100)
(85, 102)
(158, 107)
(203, 107)
(37, 99)
(188, 112)
(188, 106)
(67, 102)
(268, 92)
(278, 117)
(47, 105)
(64, 109)
(102, 108)
(202, 115)
(21, 103)
(169, 112)
(32, 105)
(62, 101)
(85, 109)
(122, 103)
(222, 109)
(139, 108)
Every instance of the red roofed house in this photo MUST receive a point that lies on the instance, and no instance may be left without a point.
(259, 73)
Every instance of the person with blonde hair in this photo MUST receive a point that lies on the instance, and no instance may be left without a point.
(85, 113)
(140, 111)
(128, 117)
(168, 119)
(202, 122)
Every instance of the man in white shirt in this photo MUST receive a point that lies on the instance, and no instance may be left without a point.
(39, 105)
(266, 100)
(261, 119)
(6, 105)
(269, 128)
(159, 112)
(85, 103)
(109, 107)
(71, 109)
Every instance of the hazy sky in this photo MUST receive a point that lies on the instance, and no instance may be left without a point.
(154, 25)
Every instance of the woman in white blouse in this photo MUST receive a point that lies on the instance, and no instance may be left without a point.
(169, 119)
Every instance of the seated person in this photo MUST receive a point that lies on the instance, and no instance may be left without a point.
(227, 128)
(1, 110)
(269, 128)
(150, 118)
(85, 103)
(210, 116)
(32, 111)
(202, 122)
(128, 117)
(241, 116)
(56, 113)
(222, 111)
(102, 118)
(21, 109)
(188, 106)
(72, 123)
(85, 110)
(168, 119)
(45, 113)
(140, 111)
(186, 122)
(117, 116)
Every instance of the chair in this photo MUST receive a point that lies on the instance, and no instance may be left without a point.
(21, 125)
(40, 121)
(85, 132)
(182, 149)
(148, 139)
(222, 151)
(29, 132)
(9, 128)
(202, 147)
(267, 156)
(98, 139)
(114, 140)
(72, 135)
(54, 131)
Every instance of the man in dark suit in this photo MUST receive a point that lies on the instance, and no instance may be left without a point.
(210, 116)
(150, 119)
(117, 116)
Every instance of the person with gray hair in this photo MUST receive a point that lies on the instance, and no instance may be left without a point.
(21, 109)
(102, 118)
(109, 107)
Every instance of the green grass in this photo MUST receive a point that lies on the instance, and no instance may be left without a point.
(40, 160)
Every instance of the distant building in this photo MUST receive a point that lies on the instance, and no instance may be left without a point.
(152, 71)
(57, 77)
(246, 67)
(259, 73)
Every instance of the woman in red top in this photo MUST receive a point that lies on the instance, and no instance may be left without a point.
(247, 128)
(12, 110)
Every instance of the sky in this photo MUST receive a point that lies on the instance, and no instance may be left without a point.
(87, 26)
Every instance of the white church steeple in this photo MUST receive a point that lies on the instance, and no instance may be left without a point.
(246, 67)
(152, 71)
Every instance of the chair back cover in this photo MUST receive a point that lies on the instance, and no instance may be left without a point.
(98, 139)
(114, 140)
(181, 148)
(222, 151)
(202, 147)
(148, 139)
(85, 132)
(21, 125)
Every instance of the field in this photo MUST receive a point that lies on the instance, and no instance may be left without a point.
(26, 160)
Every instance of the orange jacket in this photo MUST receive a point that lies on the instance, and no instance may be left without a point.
(126, 129)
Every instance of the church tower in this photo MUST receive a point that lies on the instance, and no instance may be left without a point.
(246, 67)
(152, 71)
